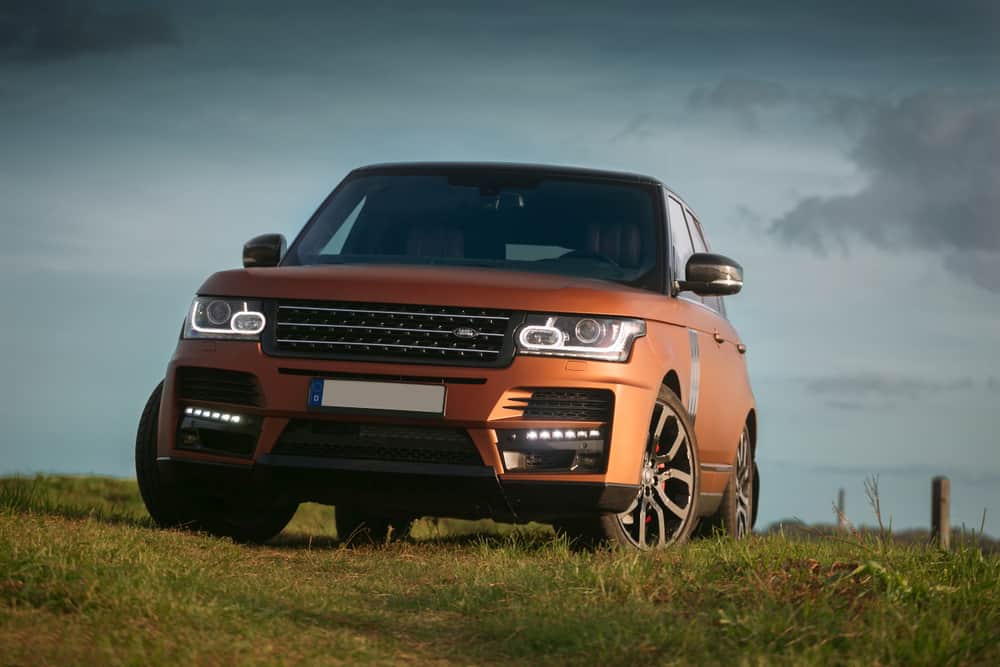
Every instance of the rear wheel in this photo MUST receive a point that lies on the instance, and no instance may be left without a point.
(738, 511)
(246, 521)
(172, 506)
(664, 511)
(355, 525)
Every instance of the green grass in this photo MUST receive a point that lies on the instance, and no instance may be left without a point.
(86, 579)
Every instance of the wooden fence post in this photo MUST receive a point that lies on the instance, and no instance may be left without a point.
(940, 510)
(841, 516)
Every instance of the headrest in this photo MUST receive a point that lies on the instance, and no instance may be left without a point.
(435, 241)
(617, 241)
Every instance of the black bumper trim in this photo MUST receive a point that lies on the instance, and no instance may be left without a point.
(552, 500)
(402, 488)
(375, 466)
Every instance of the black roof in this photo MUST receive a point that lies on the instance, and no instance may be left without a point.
(410, 167)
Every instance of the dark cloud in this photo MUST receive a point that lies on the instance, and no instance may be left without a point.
(738, 95)
(742, 97)
(46, 30)
(934, 185)
(848, 406)
(852, 391)
(748, 98)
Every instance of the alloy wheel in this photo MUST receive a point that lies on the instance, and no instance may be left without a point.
(662, 509)
(744, 485)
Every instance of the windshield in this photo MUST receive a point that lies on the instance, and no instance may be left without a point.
(504, 220)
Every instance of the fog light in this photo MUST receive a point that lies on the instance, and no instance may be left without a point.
(217, 431)
(513, 460)
(552, 450)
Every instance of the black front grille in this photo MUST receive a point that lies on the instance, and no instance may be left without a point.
(566, 404)
(379, 442)
(392, 333)
(211, 384)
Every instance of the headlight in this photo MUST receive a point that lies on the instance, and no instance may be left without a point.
(220, 317)
(601, 338)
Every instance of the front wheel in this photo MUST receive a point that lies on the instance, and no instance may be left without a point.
(173, 506)
(665, 509)
(164, 502)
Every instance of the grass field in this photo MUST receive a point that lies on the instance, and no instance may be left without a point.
(86, 579)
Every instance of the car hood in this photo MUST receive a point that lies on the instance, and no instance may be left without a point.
(441, 286)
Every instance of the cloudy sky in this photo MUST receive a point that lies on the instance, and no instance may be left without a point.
(846, 154)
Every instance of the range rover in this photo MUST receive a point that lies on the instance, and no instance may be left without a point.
(526, 343)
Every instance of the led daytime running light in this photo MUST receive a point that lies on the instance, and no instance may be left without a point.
(231, 329)
(610, 338)
(202, 413)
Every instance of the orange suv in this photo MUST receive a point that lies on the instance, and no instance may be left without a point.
(464, 340)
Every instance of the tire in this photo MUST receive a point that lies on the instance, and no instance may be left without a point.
(665, 510)
(356, 526)
(254, 524)
(737, 512)
(172, 506)
(163, 502)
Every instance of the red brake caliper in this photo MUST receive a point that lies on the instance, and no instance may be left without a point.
(656, 451)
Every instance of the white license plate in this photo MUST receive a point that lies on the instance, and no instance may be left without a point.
(383, 396)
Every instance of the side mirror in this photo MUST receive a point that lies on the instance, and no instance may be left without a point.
(708, 274)
(263, 250)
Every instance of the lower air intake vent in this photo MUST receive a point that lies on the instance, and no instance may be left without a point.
(379, 442)
(566, 405)
(211, 384)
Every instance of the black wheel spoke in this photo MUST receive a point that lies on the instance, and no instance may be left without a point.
(744, 484)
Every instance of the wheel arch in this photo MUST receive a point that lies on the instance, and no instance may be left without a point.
(751, 423)
(672, 381)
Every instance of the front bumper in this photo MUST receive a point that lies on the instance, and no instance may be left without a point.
(470, 492)
(477, 401)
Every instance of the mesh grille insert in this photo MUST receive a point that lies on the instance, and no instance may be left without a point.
(392, 332)
(380, 442)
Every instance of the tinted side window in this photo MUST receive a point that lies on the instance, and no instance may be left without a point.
(680, 239)
(698, 238)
